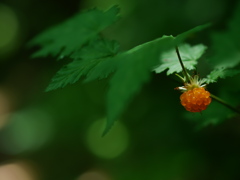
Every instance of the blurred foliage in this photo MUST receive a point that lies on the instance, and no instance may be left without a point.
(89, 61)
(71, 35)
(52, 134)
(226, 44)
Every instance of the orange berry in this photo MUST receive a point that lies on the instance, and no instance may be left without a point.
(196, 99)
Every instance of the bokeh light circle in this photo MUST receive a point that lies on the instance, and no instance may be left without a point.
(17, 171)
(112, 144)
(27, 130)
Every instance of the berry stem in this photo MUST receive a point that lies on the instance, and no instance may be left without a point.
(225, 103)
(180, 77)
(181, 62)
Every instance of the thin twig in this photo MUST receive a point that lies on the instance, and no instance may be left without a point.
(183, 68)
(225, 103)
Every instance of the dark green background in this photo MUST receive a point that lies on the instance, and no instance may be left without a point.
(48, 132)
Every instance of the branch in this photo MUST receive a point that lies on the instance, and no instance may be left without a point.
(183, 68)
(225, 103)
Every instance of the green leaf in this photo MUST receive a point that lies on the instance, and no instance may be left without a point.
(189, 55)
(134, 69)
(71, 73)
(97, 48)
(103, 50)
(220, 73)
(89, 57)
(102, 70)
(69, 36)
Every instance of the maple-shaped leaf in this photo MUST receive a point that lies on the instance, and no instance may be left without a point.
(69, 36)
(189, 55)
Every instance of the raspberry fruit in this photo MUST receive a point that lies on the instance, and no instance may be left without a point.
(196, 99)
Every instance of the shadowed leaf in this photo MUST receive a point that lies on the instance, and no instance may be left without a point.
(88, 58)
(69, 36)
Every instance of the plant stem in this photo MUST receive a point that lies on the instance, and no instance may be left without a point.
(225, 103)
(183, 68)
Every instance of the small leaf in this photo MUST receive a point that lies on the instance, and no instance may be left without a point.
(220, 73)
(189, 55)
(69, 36)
